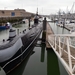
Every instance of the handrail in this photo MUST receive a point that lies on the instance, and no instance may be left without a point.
(62, 44)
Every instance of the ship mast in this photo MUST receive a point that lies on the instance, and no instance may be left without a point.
(37, 12)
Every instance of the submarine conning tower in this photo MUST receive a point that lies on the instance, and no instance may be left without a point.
(36, 17)
(12, 32)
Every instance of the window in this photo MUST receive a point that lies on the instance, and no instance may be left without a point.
(12, 13)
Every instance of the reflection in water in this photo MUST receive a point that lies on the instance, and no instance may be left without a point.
(58, 30)
(62, 69)
(54, 66)
(4, 34)
(19, 70)
(42, 52)
(34, 65)
(49, 64)
(62, 30)
(2, 72)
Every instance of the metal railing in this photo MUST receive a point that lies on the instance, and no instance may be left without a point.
(64, 47)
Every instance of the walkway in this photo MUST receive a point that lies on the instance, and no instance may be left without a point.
(64, 47)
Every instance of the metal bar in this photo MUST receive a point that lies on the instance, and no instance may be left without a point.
(69, 54)
(59, 47)
(70, 35)
(55, 43)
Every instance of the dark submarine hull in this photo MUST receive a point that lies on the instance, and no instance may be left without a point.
(28, 40)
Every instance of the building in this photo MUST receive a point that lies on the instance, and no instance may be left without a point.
(14, 13)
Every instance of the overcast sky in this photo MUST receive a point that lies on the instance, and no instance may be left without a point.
(44, 6)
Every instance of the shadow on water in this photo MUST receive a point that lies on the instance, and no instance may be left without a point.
(52, 63)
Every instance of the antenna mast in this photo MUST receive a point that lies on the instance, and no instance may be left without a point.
(37, 11)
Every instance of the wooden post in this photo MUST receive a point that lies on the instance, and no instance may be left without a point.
(44, 24)
(44, 31)
(29, 22)
(64, 23)
(17, 31)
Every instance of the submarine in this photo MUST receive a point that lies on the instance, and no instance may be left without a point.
(17, 47)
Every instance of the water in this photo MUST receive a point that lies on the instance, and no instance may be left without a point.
(4, 34)
(58, 30)
(40, 61)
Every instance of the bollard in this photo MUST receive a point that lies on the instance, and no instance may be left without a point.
(44, 24)
(17, 31)
(29, 22)
(64, 23)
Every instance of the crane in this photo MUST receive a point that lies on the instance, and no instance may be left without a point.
(72, 9)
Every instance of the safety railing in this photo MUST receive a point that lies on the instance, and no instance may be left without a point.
(64, 46)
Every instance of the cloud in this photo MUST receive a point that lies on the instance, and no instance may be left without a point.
(45, 6)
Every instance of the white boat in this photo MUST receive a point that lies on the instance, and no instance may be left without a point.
(72, 31)
(60, 23)
(66, 23)
(25, 20)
